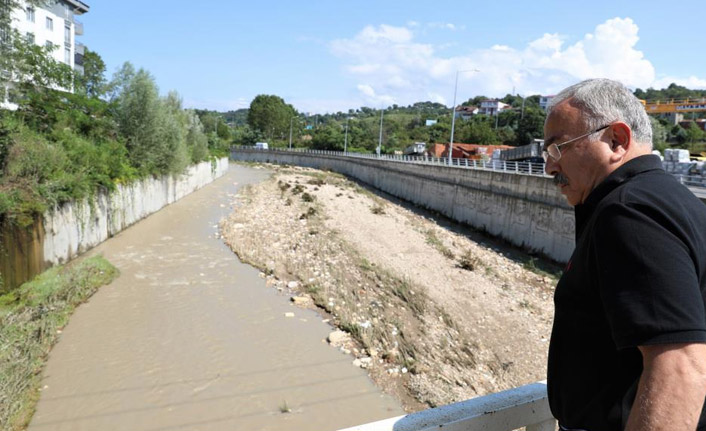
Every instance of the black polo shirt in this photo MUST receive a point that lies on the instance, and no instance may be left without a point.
(637, 277)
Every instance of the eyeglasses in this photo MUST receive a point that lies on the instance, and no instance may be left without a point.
(553, 149)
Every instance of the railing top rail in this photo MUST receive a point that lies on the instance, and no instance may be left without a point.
(502, 411)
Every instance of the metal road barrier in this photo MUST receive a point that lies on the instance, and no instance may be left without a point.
(525, 406)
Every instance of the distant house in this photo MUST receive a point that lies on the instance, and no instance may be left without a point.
(492, 107)
(466, 151)
(544, 101)
(430, 123)
(466, 112)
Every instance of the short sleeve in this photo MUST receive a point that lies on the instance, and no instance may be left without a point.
(647, 280)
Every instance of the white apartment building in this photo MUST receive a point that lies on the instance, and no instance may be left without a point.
(492, 107)
(544, 101)
(52, 25)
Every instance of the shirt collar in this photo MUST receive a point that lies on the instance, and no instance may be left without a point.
(631, 168)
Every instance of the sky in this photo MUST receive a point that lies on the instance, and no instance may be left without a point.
(328, 56)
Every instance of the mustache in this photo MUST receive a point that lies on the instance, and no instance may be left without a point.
(560, 180)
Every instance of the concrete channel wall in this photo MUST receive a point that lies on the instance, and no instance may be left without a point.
(70, 229)
(75, 227)
(525, 210)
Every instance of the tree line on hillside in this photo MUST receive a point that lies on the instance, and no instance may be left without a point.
(60, 145)
(271, 119)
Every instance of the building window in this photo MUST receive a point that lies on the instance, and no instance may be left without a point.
(67, 33)
(67, 56)
(50, 24)
(29, 37)
(49, 45)
(30, 14)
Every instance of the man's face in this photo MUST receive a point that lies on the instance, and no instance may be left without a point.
(584, 163)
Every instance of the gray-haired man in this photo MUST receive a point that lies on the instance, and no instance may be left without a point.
(628, 345)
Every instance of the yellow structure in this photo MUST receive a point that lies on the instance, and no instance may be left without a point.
(672, 106)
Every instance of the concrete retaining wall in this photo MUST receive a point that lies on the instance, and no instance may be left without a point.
(525, 210)
(75, 227)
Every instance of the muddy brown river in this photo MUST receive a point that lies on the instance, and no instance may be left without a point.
(189, 338)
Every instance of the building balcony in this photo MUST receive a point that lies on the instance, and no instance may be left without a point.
(80, 49)
(78, 27)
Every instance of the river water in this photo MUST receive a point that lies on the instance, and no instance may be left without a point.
(189, 338)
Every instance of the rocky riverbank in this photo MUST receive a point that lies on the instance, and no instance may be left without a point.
(433, 315)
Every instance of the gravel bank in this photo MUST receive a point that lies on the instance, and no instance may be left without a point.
(434, 316)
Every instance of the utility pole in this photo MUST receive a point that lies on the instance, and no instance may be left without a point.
(345, 140)
(453, 113)
(379, 149)
(290, 132)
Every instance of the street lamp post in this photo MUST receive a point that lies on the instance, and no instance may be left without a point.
(290, 132)
(345, 140)
(379, 149)
(453, 113)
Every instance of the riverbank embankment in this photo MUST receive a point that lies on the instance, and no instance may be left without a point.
(436, 313)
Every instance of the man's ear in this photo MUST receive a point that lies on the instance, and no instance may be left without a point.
(620, 138)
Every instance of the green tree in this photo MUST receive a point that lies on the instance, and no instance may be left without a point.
(659, 134)
(328, 137)
(694, 133)
(271, 116)
(92, 81)
(154, 133)
(530, 126)
(479, 131)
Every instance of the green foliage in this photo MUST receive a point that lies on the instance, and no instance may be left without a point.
(60, 146)
(659, 134)
(271, 116)
(530, 126)
(92, 81)
(328, 138)
(694, 133)
(673, 91)
(478, 130)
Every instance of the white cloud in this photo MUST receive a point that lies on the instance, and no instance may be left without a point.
(391, 65)
(444, 26)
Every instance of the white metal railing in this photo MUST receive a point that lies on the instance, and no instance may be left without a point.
(525, 406)
(535, 169)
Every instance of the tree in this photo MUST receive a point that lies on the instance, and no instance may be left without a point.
(694, 133)
(92, 81)
(478, 131)
(530, 126)
(328, 137)
(155, 135)
(659, 134)
(271, 116)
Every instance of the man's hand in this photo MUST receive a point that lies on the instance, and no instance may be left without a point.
(672, 388)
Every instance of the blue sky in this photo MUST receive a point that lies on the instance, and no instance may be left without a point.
(327, 56)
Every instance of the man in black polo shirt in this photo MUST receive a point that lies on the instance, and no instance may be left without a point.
(628, 345)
